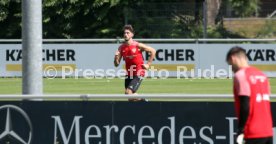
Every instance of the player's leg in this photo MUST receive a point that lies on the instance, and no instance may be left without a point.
(128, 91)
(135, 84)
(127, 82)
(128, 79)
(132, 85)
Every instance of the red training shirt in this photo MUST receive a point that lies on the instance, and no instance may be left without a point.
(133, 58)
(251, 82)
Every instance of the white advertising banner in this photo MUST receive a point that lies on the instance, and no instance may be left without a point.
(262, 56)
(173, 60)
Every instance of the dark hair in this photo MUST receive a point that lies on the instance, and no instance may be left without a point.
(128, 27)
(234, 51)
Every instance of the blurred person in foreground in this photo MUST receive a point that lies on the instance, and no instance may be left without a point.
(131, 52)
(252, 100)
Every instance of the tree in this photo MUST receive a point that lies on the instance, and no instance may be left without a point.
(245, 8)
(80, 18)
(67, 18)
(10, 19)
(105, 18)
(198, 9)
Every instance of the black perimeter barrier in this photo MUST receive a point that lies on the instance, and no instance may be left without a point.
(118, 122)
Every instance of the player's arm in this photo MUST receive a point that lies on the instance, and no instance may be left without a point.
(149, 50)
(243, 90)
(244, 112)
(117, 58)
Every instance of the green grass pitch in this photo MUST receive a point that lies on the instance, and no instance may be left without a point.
(116, 86)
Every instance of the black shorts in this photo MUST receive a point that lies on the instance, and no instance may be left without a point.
(133, 82)
(267, 140)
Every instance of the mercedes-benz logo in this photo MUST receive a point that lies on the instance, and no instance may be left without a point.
(8, 131)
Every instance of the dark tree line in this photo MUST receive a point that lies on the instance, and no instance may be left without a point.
(105, 18)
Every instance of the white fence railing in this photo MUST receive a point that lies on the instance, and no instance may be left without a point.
(121, 97)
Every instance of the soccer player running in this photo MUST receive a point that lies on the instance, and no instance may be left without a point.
(131, 52)
(252, 100)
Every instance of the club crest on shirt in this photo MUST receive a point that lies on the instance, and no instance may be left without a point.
(133, 50)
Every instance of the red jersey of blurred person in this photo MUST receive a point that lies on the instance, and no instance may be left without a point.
(133, 58)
